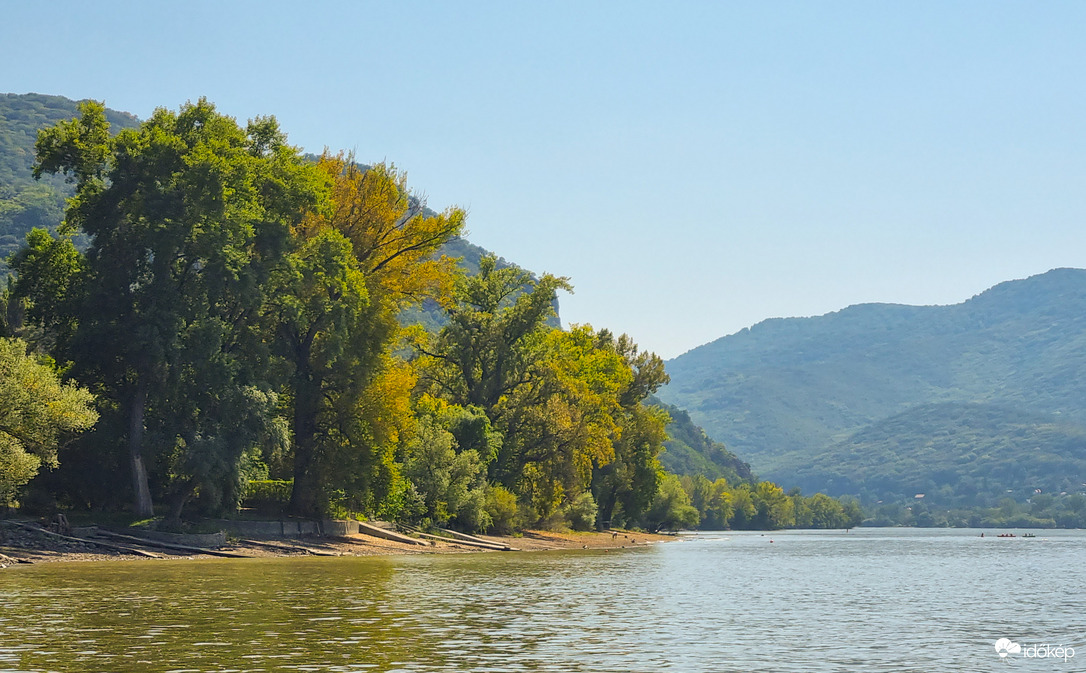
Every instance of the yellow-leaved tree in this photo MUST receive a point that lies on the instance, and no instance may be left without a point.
(355, 266)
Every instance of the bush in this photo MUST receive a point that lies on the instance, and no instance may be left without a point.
(471, 514)
(268, 496)
(501, 505)
(581, 512)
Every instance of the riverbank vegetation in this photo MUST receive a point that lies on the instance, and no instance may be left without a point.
(237, 314)
(1041, 510)
(762, 505)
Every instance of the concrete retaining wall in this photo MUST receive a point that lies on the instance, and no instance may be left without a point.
(289, 528)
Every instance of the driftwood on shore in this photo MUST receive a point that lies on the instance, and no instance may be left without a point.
(68, 538)
(471, 538)
(374, 531)
(169, 545)
(288, 547)
(5, 559)
(493, 546)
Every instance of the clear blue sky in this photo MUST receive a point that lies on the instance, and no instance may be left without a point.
(693, 167)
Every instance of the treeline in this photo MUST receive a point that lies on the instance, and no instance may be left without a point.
(1042, 510)
(235, 317)
(693, 501)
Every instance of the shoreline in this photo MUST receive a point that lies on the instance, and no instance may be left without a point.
(25, 546)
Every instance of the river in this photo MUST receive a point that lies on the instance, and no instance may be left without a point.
(795, 601)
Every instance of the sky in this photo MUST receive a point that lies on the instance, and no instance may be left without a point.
(693, 167)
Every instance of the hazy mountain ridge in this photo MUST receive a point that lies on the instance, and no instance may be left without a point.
(788, 390)
(953, 453)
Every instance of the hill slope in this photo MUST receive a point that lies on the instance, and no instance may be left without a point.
(688, 450)
(26, 203)
(956, 454)
(788, 391)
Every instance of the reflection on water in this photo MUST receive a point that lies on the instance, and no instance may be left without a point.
(878, 600)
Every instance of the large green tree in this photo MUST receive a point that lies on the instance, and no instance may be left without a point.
(37, 413)
(187, 216)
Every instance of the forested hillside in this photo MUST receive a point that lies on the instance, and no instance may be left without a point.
(689, 451)
(962, 402)
(24, 202)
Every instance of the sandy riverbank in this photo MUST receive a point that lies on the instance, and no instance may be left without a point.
(22, 545)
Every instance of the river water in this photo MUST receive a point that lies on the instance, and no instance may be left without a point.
(810, 602)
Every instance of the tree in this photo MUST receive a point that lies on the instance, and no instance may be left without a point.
(826, 512)
(743, 508)
(773, 509)
(187, 215)
(37, 413)
(352, 269)
(498, 354)
(630, 479)
(319, 308)
(671, 508)
(450, 480)
(568, 404)
(494, 338)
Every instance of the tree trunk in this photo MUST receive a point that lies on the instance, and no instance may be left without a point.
(143, 505)
(304, 497)
(606, 498)
(178, 500)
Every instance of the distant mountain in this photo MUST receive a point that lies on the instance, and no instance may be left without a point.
(956, 454)
(882, 399)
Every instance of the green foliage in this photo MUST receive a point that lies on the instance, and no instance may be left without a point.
(238, 310)
(568, 405)
(956, 455)
(765, 506)
(581, 511)
(960, 403)
(1042, 510)
(494, 355)
(186, 215)
(37, 413)
(773, 509)
(268, 496)
(352, 271)
(671, 508)
(450, 483)
(625, 486)
(688, 450)
(501, 507)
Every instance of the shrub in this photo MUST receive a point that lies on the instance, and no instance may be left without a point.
(501, 505)
(581, 512)
(268, 496)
